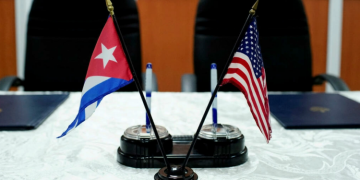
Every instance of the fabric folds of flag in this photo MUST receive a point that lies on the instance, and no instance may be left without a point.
(247, 73)
(108, 71)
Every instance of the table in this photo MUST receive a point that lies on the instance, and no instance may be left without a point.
(89, 152)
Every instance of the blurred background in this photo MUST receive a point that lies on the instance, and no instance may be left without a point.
(166, 30)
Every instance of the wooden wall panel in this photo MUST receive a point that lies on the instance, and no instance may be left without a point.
(167, 30)
(317, 14)
(7, 38)
(350, 55)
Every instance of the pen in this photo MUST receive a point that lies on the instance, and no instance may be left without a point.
(148, 89)
(213, 76)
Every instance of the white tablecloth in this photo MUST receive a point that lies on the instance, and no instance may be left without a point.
(89, 152)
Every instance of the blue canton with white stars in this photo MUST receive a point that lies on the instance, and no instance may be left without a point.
(250, 47)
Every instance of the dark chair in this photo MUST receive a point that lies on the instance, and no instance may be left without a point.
(61, 38)
(284, 40)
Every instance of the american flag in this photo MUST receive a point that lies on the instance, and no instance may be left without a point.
(247, 73)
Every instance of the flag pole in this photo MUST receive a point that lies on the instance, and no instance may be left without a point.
(137, 83)
(237, 44)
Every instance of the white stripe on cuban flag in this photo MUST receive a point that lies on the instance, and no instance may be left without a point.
(90, 83)
(95, 88)
(90, 109)
(93, 81)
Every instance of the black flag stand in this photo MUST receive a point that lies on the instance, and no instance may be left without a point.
(237, 44)
(111, 10)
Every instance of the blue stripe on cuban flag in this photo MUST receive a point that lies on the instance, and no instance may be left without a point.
(94, 90)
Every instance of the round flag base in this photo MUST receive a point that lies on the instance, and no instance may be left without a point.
(176, 173)
(145, 147)
(226, 141)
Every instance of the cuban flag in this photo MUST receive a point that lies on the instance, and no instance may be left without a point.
(108, 71)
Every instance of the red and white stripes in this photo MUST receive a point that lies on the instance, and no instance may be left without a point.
(240, 74)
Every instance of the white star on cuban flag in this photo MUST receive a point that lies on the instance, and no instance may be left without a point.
(108, 71)
(106, 55)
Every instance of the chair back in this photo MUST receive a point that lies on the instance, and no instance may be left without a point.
(61, 38)
(284, 40)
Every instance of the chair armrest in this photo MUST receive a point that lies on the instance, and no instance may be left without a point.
(337, 83)
(10, 81)
(188, 83)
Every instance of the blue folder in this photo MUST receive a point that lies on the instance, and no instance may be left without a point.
(315, 110)
(24, 112)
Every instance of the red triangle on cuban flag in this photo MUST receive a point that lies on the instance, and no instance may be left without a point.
(108, 58)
